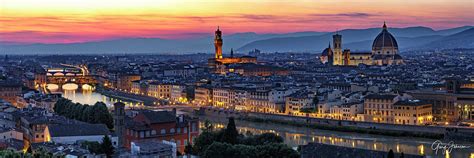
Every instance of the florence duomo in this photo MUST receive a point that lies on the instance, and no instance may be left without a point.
(384, 52)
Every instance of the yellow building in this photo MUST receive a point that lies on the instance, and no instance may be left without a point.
(9, 90)
(413, 112)
(124, 81)
(203, 96)
(379, 108)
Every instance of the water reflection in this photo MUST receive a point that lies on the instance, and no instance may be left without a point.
(295, 136)
(88, 96)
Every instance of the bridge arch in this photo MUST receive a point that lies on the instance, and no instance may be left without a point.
(70, 86)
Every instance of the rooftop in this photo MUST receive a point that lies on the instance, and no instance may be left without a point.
(66, 130)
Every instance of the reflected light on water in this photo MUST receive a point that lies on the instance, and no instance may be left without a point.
(87, 96)
(422, 150)
(300, 136)
(52, 87)
(70, 86)
(87, 87)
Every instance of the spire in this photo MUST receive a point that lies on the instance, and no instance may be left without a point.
(217, 28)
(384, 25)
(329, 45)
(231, 52)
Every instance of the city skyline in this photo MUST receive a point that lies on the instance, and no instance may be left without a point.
(53, 21)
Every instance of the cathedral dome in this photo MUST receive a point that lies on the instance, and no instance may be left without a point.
(327, 52)
(384, 40)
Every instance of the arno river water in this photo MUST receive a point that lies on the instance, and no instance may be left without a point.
(90, 97)
(295, 136)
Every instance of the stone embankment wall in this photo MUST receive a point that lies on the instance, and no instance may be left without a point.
(457, 133)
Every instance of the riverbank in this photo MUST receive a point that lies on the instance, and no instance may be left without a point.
(147, 101)
(431, 132)
(348, 129)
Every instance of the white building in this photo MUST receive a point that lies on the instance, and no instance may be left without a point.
(153, 149)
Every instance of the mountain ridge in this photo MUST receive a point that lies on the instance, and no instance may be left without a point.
(312, 41)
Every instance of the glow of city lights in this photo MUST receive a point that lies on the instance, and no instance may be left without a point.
(87, 87)
(70, 86)
(52, 87)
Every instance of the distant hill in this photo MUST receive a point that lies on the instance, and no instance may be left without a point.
(464, 39)
(354, 39)
(144, 45)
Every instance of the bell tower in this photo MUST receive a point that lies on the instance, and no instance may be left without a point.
(337, 53)
(218, 43)
(119, 122)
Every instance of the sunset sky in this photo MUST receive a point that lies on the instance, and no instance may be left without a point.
(66, 21)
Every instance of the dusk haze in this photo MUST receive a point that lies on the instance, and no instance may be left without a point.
(59, 21)
(237, 78)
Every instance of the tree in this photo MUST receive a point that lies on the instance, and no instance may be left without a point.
(98, 113)
(390, 154)
(93, 147)
(267, 138)
(107, 147)
(102, 115)
(204, 140)
(308, 110)
(188, 149)
(276, 150)
(41, 153)
(315, 102)
(208, 127)
(219, 150)
(9, 153)
(230, 133)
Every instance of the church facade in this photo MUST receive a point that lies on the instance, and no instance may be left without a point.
(384, 52)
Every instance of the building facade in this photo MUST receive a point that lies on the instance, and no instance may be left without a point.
(159, 126)
(412, 112)
(379, 108)
(384, 52)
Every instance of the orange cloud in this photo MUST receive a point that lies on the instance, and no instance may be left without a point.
(66, 21)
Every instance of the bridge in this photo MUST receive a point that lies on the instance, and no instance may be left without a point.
(69, 77)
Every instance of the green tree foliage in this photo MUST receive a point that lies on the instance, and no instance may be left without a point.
(276, 150)
(230, 133)
(205, 139)
(267, 138)
(216, 144)
(308, 110)
(41, 153)
(93, 147)
(188, 149)
(107, 147)
(315, 102)
(98, 113)
(9, 154)
(207, 126)
(226, 150)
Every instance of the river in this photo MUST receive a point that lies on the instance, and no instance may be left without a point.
(295, 136)
(91, 97)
